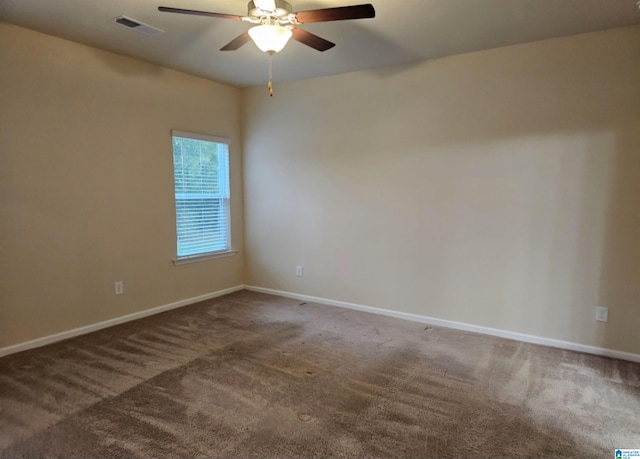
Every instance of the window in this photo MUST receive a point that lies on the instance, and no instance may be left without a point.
(201, 176)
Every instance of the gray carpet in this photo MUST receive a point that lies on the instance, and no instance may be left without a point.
(253, 375)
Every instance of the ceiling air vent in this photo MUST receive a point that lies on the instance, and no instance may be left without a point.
(136, 25)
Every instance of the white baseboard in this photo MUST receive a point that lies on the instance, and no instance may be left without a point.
(458, 325)
(111, 322)
(342, 304)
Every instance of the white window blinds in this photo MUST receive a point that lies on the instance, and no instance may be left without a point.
(201, 176)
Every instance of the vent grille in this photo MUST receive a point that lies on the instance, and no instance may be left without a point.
(134, 24)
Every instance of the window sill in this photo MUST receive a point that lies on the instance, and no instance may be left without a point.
(203, 257)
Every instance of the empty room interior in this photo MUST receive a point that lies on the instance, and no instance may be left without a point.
(424, 243)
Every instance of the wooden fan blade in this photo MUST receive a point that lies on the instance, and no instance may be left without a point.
(309, 39)
(166, 9)
(340, 13)
(236, 42)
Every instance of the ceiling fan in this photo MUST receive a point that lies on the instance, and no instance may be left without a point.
(275, 23)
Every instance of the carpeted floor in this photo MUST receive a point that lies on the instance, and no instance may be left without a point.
(253, 375)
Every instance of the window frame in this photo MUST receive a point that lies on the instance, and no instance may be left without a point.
(203, 256)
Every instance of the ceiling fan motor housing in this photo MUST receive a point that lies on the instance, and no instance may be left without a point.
(283, 9)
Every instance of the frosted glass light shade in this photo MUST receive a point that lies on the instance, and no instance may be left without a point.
(270, 38)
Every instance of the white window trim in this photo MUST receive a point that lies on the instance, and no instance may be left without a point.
(204, 137)
(177, 261)
(203, 257)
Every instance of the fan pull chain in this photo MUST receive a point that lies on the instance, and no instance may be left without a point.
(270, 84)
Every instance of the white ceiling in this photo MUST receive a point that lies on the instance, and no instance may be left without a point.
(403, 31)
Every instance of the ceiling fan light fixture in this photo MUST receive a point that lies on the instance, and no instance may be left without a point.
(270, 38)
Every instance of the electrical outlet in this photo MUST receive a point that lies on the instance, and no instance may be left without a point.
(298, 271)
(602, 314)
(119, 287)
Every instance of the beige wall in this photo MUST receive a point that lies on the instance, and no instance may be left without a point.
(499, 188)
(86, 185)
